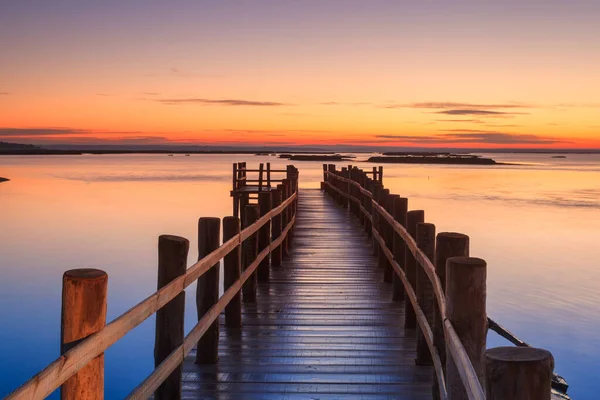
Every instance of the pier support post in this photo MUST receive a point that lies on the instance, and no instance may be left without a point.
(448, 244)
(276, 228)
(232, 269)
(465, 308)
(207, 291)
(250, 251)
(83, 313)
(518, 373)
(376, 188)
(382, 228)
(264, 235)
(399, 211)
(285, 190)
(425, 242)
(413, 218)
(388, 232)
(172, 263)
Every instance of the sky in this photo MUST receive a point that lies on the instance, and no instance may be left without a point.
(462, 73)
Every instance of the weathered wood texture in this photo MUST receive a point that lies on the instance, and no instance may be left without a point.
(324, 326)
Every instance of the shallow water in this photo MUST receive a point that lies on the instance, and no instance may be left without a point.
(537, 224)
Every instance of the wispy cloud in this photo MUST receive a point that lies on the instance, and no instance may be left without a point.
(478, 137)
(40, 131)
(473, 121)
(457, 105)
(478, 112)
(221, 102)
(4, 93)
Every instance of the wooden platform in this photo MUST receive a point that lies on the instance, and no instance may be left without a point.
(324, 327)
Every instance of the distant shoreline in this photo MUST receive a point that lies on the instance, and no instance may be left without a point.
(4, 179)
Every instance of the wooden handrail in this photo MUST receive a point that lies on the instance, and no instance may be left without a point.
(145, 389)
(459, 355)
(56, 373)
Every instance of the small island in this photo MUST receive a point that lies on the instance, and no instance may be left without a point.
(315, 157)
(4, 179)
(431, 158)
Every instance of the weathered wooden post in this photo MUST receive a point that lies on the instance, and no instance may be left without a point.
(83, 313)
(388, 273)
(207, 291)
(284, 219)
(232, 269)
(344, 187)
(413, 218)
(369, 207)
(518, 373)
(234, 191)
(465, 309)
(323, 186)
(380, 174)
(400, 209)
(172, 263)
(276, 228)
(425, 242)
(376, 188)
(288, 215)
(382, 228)
(264, 235)
(250, 251)
(448, 244)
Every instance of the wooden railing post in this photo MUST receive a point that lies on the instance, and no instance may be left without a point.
(83, 313)
(323, 186)
(276, 228)
(381, 228)
(369, 207)
(518, 373)
(287, 187)
(172, 263)
(388, 273)
(250, 251)
(264, 235)
(234, 194)
(284, 219)
(465, 309)
(207, 290)
(413, 218)
(344, 187)
(232, 269)
(425, 242)
(380, 174)
(375, 215)
(399, 211)
(448, 244)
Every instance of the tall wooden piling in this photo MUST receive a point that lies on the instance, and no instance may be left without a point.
(207, 291)
(382, 228)
(83, 313)
(388, 232)
(376, 188)
(172, 263)
(448, 244)
(232, 269)
(518, 373)
(285, 190)
(276, 228)
(250, 251)
(425, 242)
(399, 211)
(466, 311)
(264, 235)
(413, 218)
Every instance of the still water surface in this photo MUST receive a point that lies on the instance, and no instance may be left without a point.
(537, 225)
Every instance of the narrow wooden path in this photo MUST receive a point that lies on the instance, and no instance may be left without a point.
(324, 327)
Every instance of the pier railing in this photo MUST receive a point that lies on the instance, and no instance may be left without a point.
(445, 291)
(79, 371)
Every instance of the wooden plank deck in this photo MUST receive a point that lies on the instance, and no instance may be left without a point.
(324, 327)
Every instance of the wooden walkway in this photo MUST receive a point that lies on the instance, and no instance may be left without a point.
(324, 327)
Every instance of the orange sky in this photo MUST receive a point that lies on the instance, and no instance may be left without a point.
(265, 72)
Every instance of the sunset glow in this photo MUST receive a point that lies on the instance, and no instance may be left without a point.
(274, 72)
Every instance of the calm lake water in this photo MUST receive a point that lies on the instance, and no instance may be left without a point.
(537, 225)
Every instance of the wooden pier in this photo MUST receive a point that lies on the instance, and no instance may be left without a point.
(334, 293)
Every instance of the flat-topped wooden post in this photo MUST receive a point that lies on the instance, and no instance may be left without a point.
(172, 263)
(264, 235)
(276, 228)
(425, 242)
(376, 188)
(518, 373)
(287, 215)
(399, 211)
(413, 218)
(83, 313)
(466, 311)
(207, 290)
(344, 187)
(232, 269)
(250, 251)
(388, 273)
(369, 207)
(382, 228)
(448, 244)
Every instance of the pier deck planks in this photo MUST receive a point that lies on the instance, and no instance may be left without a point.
(324, 327)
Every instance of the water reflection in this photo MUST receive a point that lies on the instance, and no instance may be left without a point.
(537, 225)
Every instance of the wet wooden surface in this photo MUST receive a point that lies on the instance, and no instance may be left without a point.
(324, 327)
